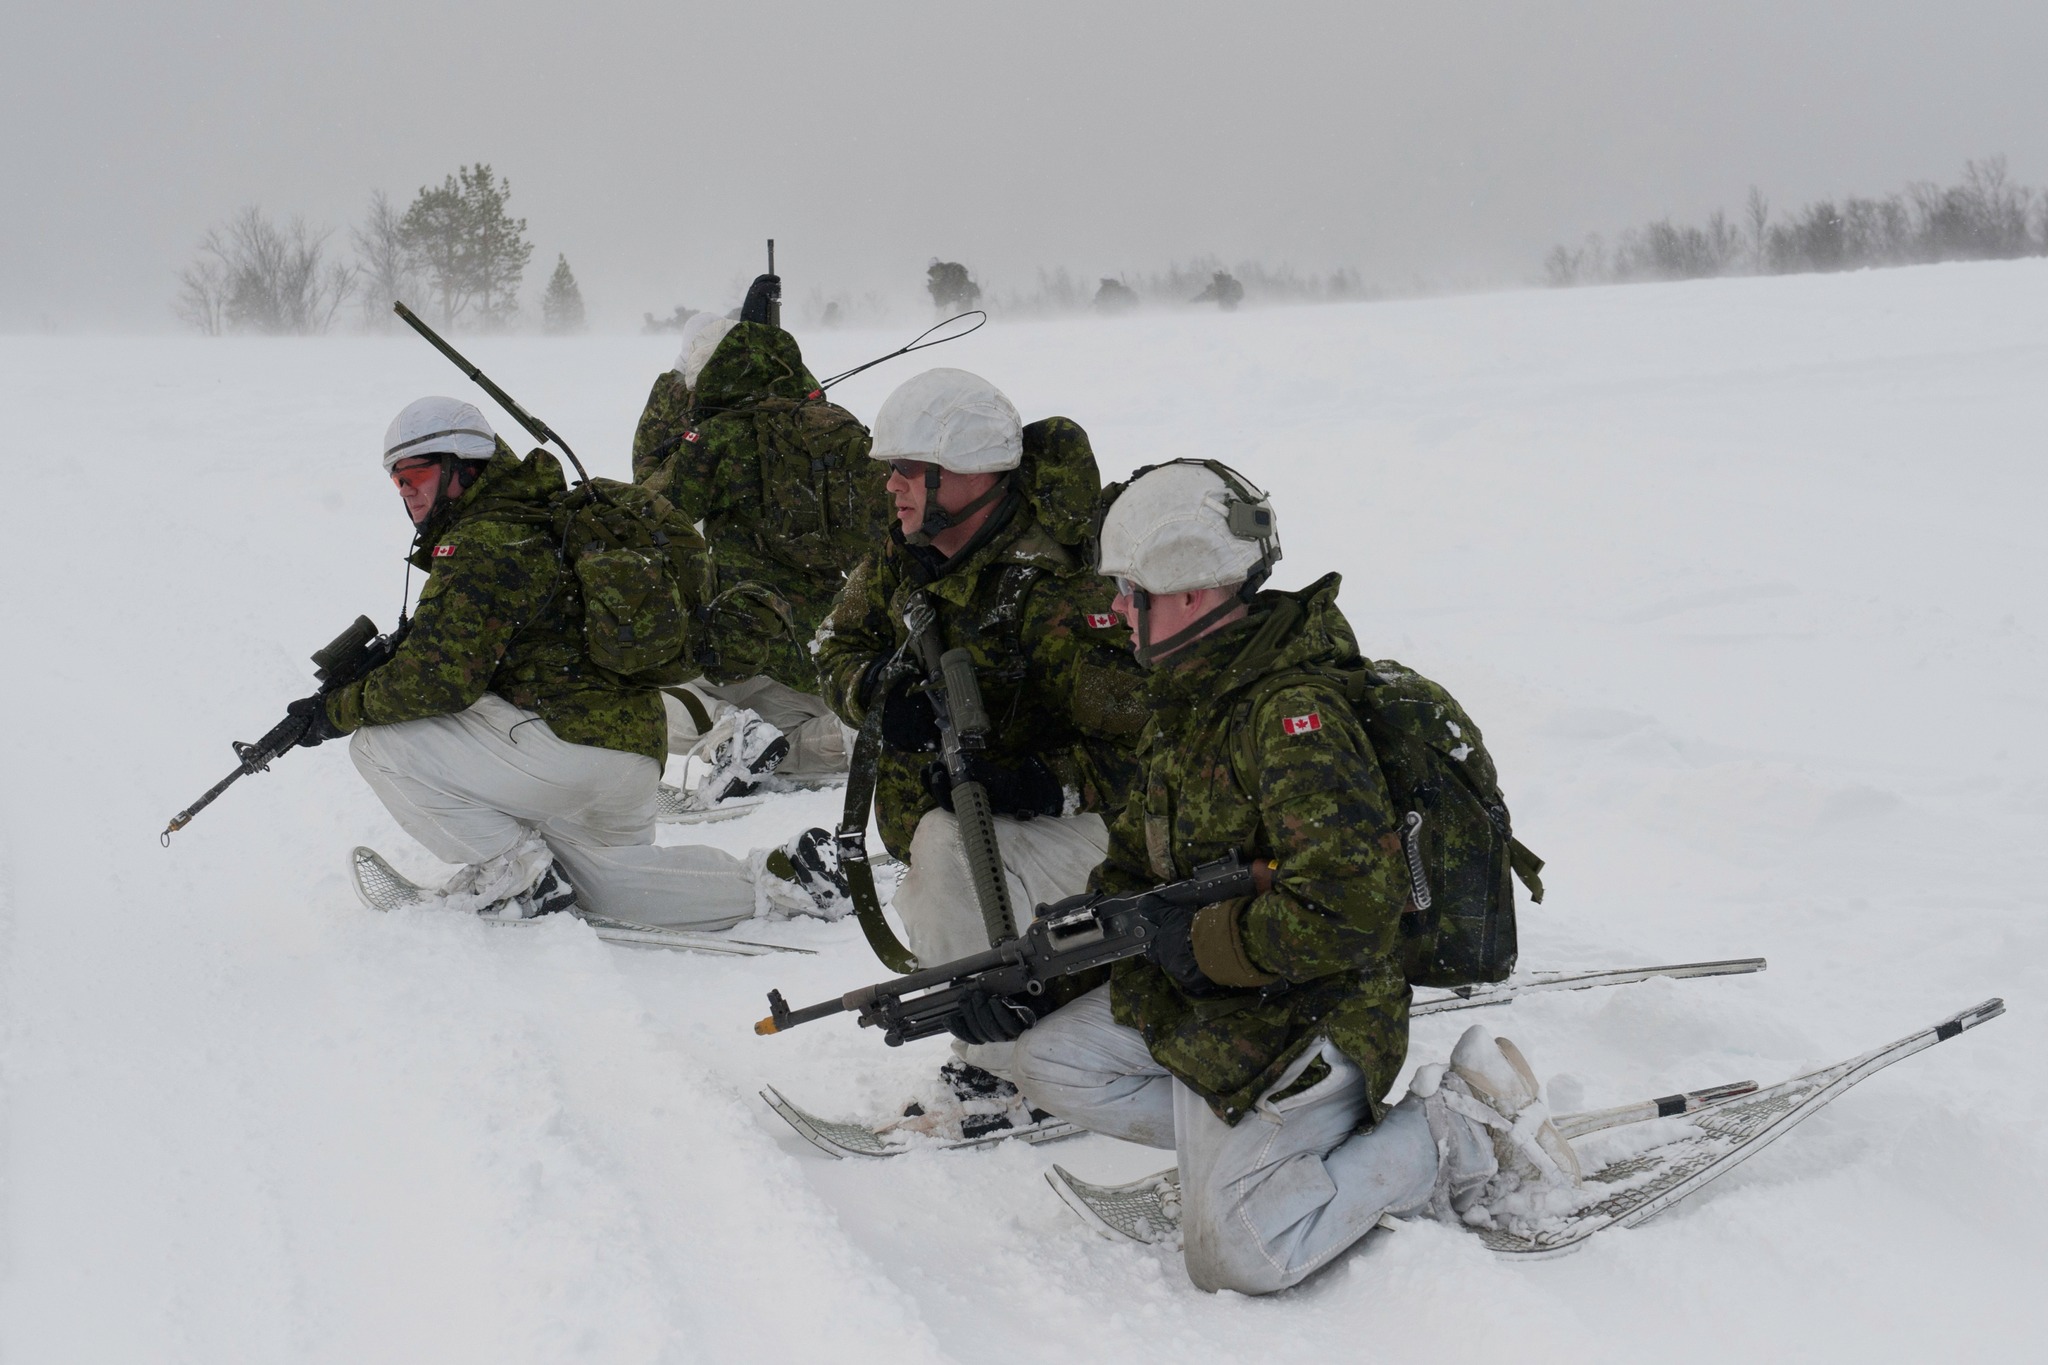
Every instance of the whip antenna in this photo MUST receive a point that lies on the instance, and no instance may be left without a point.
(918, 343)
(539, 430)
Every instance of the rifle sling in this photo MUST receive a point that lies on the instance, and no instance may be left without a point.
(853, 829)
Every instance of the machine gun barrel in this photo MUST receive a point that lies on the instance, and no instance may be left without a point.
(1070, 937)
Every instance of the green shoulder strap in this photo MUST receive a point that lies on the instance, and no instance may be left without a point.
(852, 836)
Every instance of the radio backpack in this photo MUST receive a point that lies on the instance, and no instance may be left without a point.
(756, 449)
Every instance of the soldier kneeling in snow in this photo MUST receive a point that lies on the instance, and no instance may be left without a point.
(739, 436)
(495, 741)
(1258, 1036)
(990, 514)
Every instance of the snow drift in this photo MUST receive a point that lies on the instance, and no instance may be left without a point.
(1743, 579)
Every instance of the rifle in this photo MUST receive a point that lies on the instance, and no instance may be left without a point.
(1068, 937)
(963, 731)
(348, 657)
(774, 299)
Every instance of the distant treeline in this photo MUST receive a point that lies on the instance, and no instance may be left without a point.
(455, 252)
(1985, 217)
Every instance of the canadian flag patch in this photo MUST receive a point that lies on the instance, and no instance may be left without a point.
(1100, 620)
(444, 551)
(693, 436)
(1301, 725)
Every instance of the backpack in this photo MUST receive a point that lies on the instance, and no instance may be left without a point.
(821, 498)
(644, 574)
(1060, 479)
(1455, 833)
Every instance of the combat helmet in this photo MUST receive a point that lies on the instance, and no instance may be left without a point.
(949, 419)
(1180, 527)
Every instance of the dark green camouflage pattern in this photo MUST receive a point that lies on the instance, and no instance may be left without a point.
(1060, 477)
(781, 480)
(498, 613)
(1315, 805)
(1436, 765)
(663, 421)
(1054, 664)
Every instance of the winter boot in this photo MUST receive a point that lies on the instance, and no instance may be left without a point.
(498, 886)
(551, 895)
(976, 1103)
(1464, 1150)
(803, 878)
(739, 751)
(1491, 1085)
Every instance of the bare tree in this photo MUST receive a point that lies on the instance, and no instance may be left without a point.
(1757, 213)
(1561, 267)
(203, 296)
(385, 266)
(255, 276)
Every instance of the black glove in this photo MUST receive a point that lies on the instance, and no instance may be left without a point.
(870, 678)
(1023, 791)
(986, 1018)
(909, 724)
(1173, 952)
(765, 290)
(318, 729)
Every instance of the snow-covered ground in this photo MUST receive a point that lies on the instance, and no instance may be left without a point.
(1744, 580)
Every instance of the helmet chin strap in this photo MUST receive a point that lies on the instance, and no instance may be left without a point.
(1151, 651)
(448, 463)
(937, 519)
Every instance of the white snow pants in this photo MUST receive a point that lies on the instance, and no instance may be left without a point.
(817, 741)
(1045, 859)
(469, 785)
(1266, 1203)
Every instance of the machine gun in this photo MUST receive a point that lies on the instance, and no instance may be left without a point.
(1068, 937)
(349, 656)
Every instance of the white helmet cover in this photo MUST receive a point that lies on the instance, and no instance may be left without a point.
(438, 426)
(701, 335)
(953, 419)
(1180, 527)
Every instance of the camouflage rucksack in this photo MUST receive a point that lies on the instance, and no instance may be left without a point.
(1060, 479)
(1455, 833)
(822, 502)
(642, 568)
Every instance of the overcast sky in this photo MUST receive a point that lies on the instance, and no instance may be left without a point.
(657, 144)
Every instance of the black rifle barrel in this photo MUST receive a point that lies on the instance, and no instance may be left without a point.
(347, 657)
(255, 758)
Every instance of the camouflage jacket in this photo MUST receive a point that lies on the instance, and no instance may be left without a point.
(1054, 664)
(498, 613)
(1326, 937)
(782, 482)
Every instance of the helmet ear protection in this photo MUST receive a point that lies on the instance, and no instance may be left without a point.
(1251, 520)
(1248, 515)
